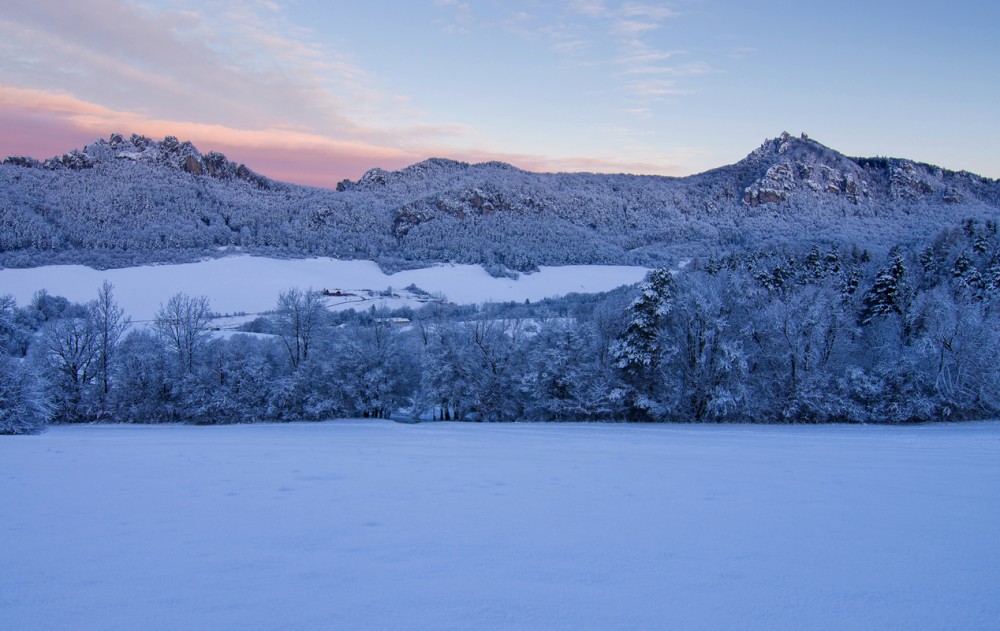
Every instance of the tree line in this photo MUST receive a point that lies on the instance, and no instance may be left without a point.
(812, 335)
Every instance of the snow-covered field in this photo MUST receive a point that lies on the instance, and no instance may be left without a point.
(252, 284)
(376, 525)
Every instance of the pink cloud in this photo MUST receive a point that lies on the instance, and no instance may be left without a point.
(44, 124)
(267, 92)
(29, 133)
(309, 166)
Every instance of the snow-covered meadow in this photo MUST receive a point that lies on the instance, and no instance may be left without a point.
(252, 284)
(377, 525)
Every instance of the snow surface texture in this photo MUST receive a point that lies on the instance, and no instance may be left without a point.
(376, 525)
(252, 284)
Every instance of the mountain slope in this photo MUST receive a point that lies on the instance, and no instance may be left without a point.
(124, 201)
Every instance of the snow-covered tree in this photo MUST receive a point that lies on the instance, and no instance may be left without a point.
(639, 352)
(313, 392)
(376, 371)
(297, 316)
(887, 295)
(957, 354)
(446, 383)
(705, 378)
(233, 386)
(801, 343)
(25, 407)
(142, 392)
(495, 350)
(563, 378)
(70, 351)
(183, 326)
(8, 312)
(111, 324)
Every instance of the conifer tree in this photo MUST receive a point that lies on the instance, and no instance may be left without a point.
(886, 295)
(639, 352)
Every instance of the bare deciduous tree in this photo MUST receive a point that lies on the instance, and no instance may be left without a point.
(182, 324)
(70, 350)
(111, 323)
(298, 314)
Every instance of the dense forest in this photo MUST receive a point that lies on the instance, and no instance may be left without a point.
(809, 334)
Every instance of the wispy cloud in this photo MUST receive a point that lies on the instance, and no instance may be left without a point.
(628, 132)
(639, 112)
(741, 53)
(236, 74)
(655, 88)
(645, 57)
(589, 8)
(688, 69)
(654, 12)
(240, 76)
(459, 18)
(96, 118)
(281, 153)
(636, 33)
(631, 28)
(523, 24)
(233, 65)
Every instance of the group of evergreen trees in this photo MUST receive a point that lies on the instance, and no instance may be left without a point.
(811, 336)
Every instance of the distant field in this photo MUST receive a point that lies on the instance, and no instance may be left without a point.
(376, 525)
(252, 284)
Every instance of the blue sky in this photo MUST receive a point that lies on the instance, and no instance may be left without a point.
(318, 91)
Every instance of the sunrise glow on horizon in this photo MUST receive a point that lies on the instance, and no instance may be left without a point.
(310, 93)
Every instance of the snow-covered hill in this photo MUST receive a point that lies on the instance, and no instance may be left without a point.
(122, 202)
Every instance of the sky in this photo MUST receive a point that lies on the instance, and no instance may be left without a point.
(314, 92)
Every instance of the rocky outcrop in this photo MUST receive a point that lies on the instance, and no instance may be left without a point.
(805, 168)
(74, 160)
(407, 218)
(774, 187)
(908, 182)
(953, 196)
(460, 205)
(169, 152)
(374, 177)
(192, 165)
(22, 161)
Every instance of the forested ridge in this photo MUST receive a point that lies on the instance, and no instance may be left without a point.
(806, 334)
(126, 201)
